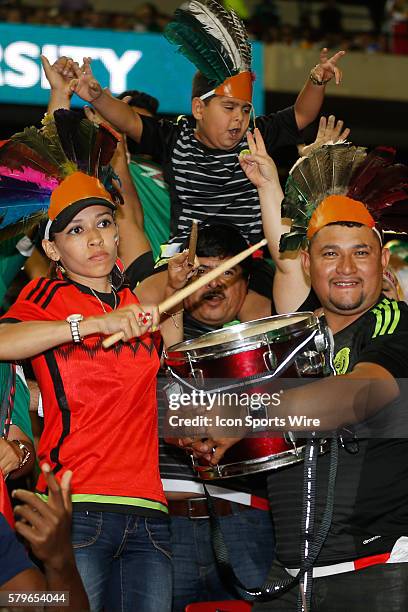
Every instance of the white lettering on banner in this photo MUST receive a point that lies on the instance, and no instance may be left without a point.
(25, 72)
(118, 67)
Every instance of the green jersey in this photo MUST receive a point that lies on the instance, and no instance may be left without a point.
(154, 196)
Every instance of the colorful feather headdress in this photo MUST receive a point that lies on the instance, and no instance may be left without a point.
(341, 182)
(215, 41)
(43, 171)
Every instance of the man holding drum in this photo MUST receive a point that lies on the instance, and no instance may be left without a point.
(241, 503)
(362, 564)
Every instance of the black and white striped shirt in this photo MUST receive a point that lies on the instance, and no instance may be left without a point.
(207, 184)
(211, 186)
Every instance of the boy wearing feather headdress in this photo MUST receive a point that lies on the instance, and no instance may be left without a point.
(200, 158)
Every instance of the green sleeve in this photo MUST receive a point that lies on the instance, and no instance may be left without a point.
(154, 196)
(21, 410)
(11, 262)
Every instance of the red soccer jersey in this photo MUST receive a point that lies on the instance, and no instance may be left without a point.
(100, 411)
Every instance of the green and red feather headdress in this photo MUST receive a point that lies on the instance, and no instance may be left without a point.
(340, 182)
(40, 165)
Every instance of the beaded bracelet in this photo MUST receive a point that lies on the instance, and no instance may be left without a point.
(315, 80)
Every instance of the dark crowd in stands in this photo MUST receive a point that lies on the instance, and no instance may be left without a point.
(386, 30)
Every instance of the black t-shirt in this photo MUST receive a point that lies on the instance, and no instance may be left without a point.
(207, 184)
(311, 303)
(371, 491)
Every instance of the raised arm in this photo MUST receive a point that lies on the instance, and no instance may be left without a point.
(59, 75)
(133, 241)
(123, 117)
(290, 285)
(310, 99)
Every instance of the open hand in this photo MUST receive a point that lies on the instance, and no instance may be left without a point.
(330, 132)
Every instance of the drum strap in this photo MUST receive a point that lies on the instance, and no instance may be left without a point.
(312, 546)
(308, 523)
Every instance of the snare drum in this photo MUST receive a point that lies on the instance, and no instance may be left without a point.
(290, 345)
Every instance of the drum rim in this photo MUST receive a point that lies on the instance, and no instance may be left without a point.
(250, 343)
(259, 464)
(275, 461)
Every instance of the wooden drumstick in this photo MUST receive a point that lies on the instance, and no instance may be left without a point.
(192, 245)
(197, 284)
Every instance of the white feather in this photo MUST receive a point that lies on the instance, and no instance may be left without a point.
(241, 38)
(213, 25)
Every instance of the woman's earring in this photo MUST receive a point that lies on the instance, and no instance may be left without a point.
(60, 268)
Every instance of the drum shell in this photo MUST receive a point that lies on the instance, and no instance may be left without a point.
(240, 364)
(214, 357)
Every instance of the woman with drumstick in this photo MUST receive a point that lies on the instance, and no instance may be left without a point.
(99, 405)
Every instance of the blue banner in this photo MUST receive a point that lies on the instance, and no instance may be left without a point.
(121, 60)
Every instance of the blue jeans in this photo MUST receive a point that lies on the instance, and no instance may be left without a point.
(124, 561)
(248, 535)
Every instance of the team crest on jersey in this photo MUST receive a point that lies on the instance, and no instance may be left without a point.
(342, 360)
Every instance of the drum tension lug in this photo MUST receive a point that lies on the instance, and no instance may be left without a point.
(270, 361)
(320, 342)
(292, 439)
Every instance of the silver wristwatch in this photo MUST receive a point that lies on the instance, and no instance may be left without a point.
(74, 321)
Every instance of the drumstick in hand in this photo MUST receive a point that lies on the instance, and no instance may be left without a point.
(181, 295)
(192, 245)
